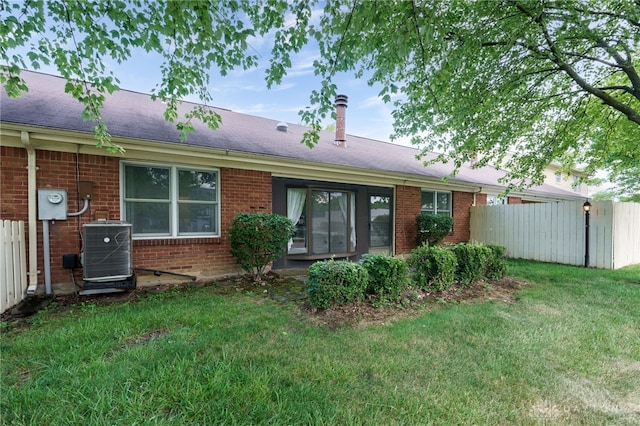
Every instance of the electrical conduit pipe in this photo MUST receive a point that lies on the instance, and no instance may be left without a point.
(47, 251)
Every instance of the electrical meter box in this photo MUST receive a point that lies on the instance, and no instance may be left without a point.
(52, 204)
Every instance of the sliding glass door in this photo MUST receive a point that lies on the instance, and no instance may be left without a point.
(380, 224)
(325, 221)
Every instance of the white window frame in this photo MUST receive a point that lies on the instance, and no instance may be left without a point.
(435, 201)
(173, 200)
(558, 175)
(495, 200)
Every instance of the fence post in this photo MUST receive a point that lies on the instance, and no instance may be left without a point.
(587, 213)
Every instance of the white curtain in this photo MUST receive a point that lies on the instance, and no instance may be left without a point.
(342, 201)
(353, 221)
(296, 198)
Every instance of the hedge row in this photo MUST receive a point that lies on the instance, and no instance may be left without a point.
(384, 278)
(438, 268)
(337, 283)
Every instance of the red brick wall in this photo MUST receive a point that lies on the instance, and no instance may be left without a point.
(514, 200)
(462, 202)
(58, 170)
(408, 202)
(481, 199)
(13, 183)
(240, 191)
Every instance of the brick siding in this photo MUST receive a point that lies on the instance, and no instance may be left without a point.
(408, 204)
(514, 200)
(240, 191)
(462, 202)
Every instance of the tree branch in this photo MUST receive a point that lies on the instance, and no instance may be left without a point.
(530, 47)
(593, 58)
(609, 14)
(623, 88)
(557, 95)
(625, 65)
(423, 51)
(344, 34)
(625, 109)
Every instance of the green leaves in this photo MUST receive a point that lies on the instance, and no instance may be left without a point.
(514, 84)
(432, 229)
(336, 283)
(257, 239)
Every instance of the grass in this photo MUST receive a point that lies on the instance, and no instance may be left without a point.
(568, 352)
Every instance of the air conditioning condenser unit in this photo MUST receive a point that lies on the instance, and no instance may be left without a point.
(107, 259)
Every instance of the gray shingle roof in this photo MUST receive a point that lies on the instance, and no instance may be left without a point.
(134, 115)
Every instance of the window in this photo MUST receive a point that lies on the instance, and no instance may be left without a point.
(494, 200)
(576, 184)
(324, 221)
(436, 202)
(170, 201)
(379, 221)
(558, 176)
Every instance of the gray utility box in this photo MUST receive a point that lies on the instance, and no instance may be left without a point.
(52, 204)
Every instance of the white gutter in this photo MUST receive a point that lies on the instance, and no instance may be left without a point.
(33, 219)
(277, 166)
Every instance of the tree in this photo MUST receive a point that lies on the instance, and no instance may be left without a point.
(513, 83)
(193, 37)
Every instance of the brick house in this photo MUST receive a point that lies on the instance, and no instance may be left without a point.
(348, 195)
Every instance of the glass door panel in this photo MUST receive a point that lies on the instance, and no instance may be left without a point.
(380, 223)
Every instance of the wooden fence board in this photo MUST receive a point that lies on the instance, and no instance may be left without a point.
(555, 232)
(13, 267)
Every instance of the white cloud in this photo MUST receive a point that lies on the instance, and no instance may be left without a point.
(371, 102)
(283, 87)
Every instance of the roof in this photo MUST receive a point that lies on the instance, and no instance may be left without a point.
(135, 115)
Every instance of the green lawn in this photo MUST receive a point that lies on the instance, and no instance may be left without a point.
(567, 352)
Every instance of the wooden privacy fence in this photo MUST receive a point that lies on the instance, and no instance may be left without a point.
(13, 264)
(555, 232)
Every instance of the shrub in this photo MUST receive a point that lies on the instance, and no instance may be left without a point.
(472, 261)
(432, 228)
(433, 267)
(388, 275)
(335, 283)
(497, 263)
(258, 239)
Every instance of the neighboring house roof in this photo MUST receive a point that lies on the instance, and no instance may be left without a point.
(134, 115)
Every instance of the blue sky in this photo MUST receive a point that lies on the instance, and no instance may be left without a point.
(246, 91)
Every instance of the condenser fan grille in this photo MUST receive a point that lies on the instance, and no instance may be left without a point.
(107, 253)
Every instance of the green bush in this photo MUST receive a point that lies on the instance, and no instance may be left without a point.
(388, 276)
(336, 283)
(258, 239)
(432, 228)
(433, 267)
(472, 261)
(497, 263)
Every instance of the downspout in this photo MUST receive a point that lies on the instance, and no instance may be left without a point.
(33, 220)
(474, 195)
